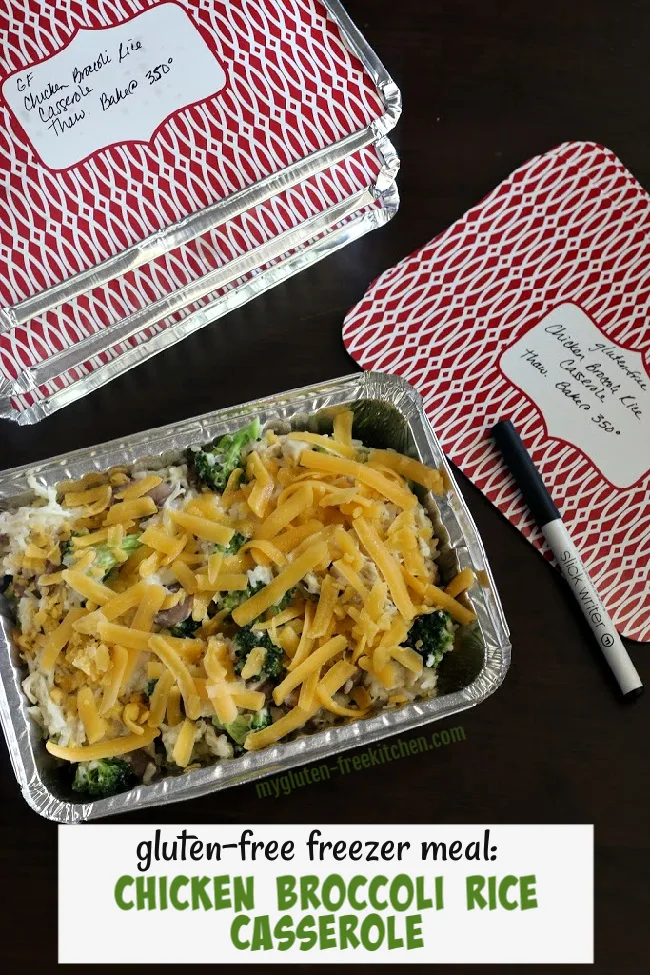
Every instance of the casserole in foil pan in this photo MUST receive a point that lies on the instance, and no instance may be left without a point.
(122, 240)
(388, 413)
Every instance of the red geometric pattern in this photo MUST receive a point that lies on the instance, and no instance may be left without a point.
(62, 327)
(570, 225)
(292, 88)
(374, 215)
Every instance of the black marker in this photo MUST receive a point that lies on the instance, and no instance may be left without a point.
(548, 518)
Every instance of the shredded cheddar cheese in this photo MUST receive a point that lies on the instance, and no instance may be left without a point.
(159, 540)
(328, 596)
(262, 490)
(170, 610)
(343, 427)
(408, 468)
(366, 475)
(128, 510)
(464, 580)
(289, 722)
(308, 690)
(165, 650)
(94, 725)
(87, 587)
(297, 717)
(203, 528)
(286, 512)
(119, 663)
(407, 658)
(159, 698)
(386, 564)
(121, 603)
(152, 599)
(103, 749)
(224, 706)
(326, 443)
(57, 638)
(288, 577)
(254, 663)
(183, 747)
(139, 488)
(215, 563)
(316, 659)
(438, 597)
(253, 700)
(174, 715)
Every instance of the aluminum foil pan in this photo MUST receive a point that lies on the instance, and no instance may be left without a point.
(68, 372)
(388, 413)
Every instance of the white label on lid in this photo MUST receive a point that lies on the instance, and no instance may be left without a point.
(114, 85)
(592, 393)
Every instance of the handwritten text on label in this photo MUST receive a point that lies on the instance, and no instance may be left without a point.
(591, 392)
(113, 85)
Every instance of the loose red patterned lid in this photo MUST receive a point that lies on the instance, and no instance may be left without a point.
(534, 306)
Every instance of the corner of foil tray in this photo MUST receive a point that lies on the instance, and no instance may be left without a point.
(44, 804)
(356, 42)
(390, 166)
(398, 389)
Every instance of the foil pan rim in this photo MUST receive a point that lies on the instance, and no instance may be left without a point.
(65, 359)
(307, 251)
(250, 767)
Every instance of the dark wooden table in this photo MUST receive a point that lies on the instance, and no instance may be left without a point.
(486, 84)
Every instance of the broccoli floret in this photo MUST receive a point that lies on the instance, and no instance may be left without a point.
(185, 629)
(243, 723)
(233, 545)
(246, 639)
(214, 464)
(432, 635)
(103, 777)
(130, 543)
(284, 602)
(261, 719)
(105, 558)
(239, 728)
(151, 683)
(231, 600)
(66, 550)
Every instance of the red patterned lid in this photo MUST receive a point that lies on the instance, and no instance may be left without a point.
(289, 87)
(534, 307)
